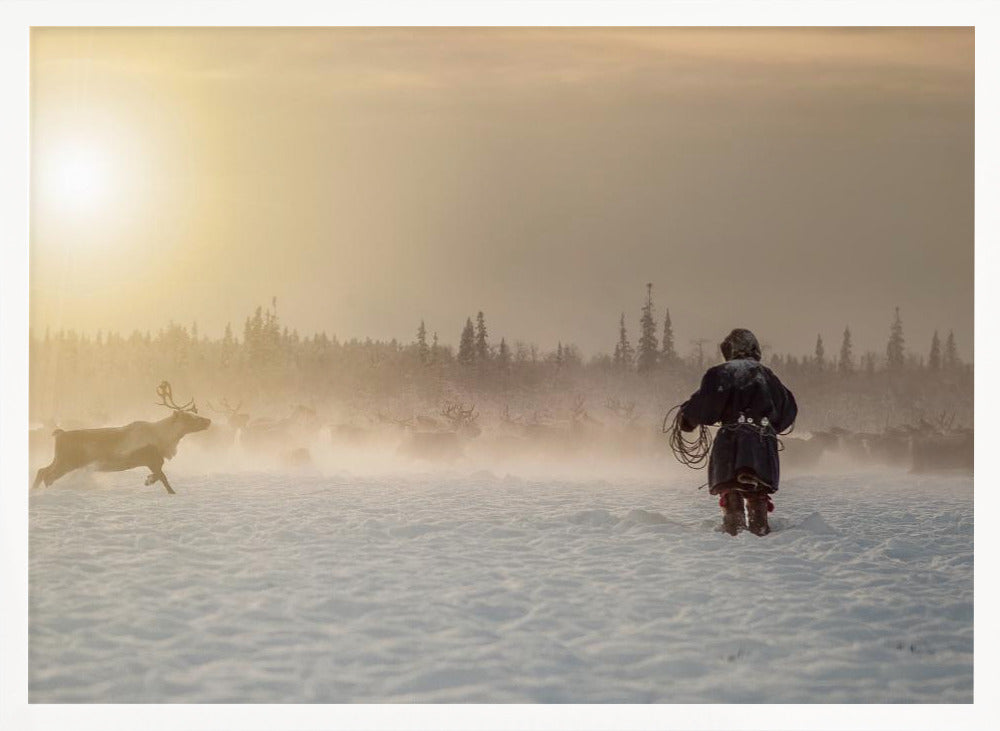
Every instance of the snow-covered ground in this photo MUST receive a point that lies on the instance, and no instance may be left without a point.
(484, 587)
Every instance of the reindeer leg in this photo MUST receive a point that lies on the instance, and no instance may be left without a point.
(163, 478)
(155, 464)
(53, 472)
(158, 476)
(44, 474)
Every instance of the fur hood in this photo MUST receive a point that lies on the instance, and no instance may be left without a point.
(740, 343)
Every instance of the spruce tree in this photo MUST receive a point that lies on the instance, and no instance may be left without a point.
(647, 354)
(482, 346)
(934, 359)
(667, 353)
(820, 353)
(422, 350)
(894, 350)
(624, 355)
(467, 345)
(951, 361)
(846, 362)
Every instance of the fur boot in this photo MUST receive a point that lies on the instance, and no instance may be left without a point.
(733, 519)
(757, 509)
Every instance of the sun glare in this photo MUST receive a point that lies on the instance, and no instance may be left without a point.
(75, 178)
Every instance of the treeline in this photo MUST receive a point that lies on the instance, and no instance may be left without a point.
(270, 366)
(651, 354)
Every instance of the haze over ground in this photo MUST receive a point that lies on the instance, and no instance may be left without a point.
(789, 180)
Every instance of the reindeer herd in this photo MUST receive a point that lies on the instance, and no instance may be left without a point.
(452, 431)
(927, 446)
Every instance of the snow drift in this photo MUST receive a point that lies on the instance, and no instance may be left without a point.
(477, 587)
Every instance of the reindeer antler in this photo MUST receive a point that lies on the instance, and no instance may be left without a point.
(456, 414)
(507, 418)
(167, 399)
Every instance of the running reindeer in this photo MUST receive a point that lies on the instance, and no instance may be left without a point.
(114, 449)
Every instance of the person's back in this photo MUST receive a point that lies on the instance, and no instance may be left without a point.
(752, 406)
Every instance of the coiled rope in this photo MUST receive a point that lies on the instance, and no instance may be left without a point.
(694, 453)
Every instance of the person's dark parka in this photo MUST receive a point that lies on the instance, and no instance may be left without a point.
(741, 386)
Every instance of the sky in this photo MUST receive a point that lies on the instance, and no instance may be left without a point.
(792, 181)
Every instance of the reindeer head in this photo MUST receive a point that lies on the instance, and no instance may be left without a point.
(186, 416)
(506, 418)
(234, 418)
(462, 420)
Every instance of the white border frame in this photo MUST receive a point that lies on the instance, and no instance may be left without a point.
(17, 17)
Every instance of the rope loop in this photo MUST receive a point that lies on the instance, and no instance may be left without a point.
(694, 453)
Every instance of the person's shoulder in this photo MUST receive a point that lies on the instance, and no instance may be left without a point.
(768, 370)
(730, 372)
(772, 375)
(718, 371)
(739, 366)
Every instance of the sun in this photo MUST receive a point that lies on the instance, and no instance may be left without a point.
(75, 177)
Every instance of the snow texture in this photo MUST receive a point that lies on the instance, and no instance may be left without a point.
(451, 588)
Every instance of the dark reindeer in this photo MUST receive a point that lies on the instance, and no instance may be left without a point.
(114, 449)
